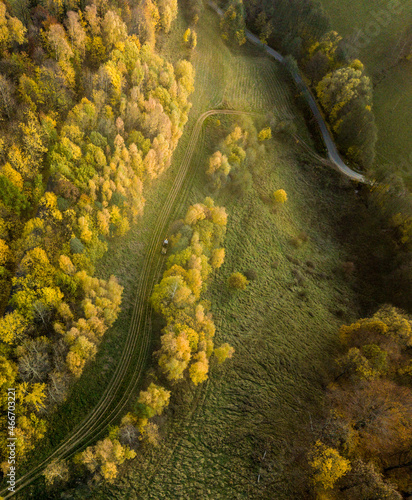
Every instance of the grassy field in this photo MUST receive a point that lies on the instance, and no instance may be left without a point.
(393, 85)
(393, 111)
(283, 326)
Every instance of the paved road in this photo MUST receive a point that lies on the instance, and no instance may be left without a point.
(333, 153)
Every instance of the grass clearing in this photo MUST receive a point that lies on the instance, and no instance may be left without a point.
(393, 105)
(283, 328)
(393, 84)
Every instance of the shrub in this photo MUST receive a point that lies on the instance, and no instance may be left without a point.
(292, 259)
(225, 351)
(238, 281)
(280, 196)
(299, 278)
(251, 274)
(296, 242)
(303, 236)
(299, 240)
(264, 134)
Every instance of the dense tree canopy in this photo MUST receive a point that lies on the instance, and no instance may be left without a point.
(91, 114)
(367, 434)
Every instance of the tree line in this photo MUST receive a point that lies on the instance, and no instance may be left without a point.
(91, 115)
(187, 341)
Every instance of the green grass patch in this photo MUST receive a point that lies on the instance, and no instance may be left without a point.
(393, 105)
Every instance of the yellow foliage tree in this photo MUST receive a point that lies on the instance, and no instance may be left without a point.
(104, 457)
(12, 175)
(280, 196)
(327, 465)
(186, 35)
(31, 395)
(199, 369)
(4, 252)
(12, 326)
(29, 429)
(11, 29)
(194, 214)
(66, 265)
(265, 134)
(8, 372)
(81, 351)
(174, 354)
(194, 281)
(219, 216)
(225, 351)
(56, 472)
(155, 398)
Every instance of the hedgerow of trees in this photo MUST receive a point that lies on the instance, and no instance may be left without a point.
(187, 340)
(91, 114)
(186, 343)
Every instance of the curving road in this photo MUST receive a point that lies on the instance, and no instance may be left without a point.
(107, 411)
(333, 153)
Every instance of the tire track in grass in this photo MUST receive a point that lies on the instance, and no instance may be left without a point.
(138, 335)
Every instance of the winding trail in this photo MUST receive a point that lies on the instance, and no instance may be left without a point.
(333, 153)
(138, 339)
